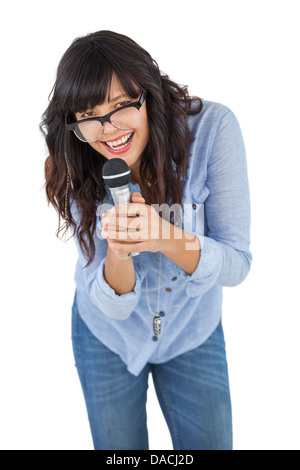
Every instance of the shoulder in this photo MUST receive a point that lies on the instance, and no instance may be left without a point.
(215, 121)
(209, 118)
(214, 127)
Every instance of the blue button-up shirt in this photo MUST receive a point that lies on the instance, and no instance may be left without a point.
(217, 211)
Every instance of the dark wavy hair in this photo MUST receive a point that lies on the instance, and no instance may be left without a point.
(83, 79)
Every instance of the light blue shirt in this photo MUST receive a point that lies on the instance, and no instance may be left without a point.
(217, 182)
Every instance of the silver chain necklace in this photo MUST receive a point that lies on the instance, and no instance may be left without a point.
(157, 321)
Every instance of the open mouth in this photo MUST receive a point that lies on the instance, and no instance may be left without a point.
(121, 144)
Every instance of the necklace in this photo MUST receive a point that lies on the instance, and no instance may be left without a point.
(157, 321)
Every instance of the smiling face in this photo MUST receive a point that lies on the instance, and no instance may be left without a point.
(128, 145)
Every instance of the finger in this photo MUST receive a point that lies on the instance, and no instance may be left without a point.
(114, 235)
(129, 224)
(137, 197)
(138, 200)
(125, 236)
(137, 209)
(128, 247)
(109, 212)
(116, 212)
(128, 210)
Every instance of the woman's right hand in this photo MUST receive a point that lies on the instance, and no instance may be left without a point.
(136, 198)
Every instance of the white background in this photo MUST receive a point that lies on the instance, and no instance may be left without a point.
(242, 53)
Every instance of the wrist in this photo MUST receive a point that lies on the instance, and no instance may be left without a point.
(120, 257)
(119, 273)
(169, 237)
(183, 249)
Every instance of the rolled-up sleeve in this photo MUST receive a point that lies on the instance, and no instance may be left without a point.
(225, 257)
(117, 307)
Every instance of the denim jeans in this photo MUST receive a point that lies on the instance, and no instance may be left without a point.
(192, 389)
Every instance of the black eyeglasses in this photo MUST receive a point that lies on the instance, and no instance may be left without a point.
(125, 118)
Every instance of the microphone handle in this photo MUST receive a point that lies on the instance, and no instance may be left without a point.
(121, 195)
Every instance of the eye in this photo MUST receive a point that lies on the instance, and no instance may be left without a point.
(87, 115)
(122, 103)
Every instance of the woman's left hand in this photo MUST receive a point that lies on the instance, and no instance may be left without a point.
(135, 227)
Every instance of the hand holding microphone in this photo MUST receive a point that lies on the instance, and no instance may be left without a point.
(116, 174)
(131, 228)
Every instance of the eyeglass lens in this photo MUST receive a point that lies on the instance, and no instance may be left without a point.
(125, 119)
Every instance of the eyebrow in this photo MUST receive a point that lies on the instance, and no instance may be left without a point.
(118, 97)
(113, 100)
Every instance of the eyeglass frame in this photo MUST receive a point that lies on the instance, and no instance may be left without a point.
(137, 104)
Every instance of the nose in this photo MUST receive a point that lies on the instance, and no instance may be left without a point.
(108, 129)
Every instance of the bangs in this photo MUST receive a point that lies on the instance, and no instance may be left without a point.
(84, 80)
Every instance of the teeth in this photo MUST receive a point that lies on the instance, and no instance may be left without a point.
(119, 142)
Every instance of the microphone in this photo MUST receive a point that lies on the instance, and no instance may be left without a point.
(116, 174)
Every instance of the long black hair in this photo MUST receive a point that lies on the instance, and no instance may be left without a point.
(83, 79)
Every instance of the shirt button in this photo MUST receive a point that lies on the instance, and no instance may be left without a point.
(161, 314)
(174, 278)
(168, 289)
(194, 206)
(155, 338)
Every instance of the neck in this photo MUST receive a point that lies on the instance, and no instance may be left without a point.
(135, 173)
(136, 178)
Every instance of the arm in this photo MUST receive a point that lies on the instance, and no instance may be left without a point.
(182, 248)
(119, 269)
(225, 257)
(160, 235)
(119, 273)
(115, 304)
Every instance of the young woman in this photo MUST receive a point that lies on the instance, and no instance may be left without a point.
(158, 312)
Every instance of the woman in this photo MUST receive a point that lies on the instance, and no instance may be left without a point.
(159, 311)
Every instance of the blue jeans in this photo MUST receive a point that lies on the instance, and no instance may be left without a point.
(192, 389)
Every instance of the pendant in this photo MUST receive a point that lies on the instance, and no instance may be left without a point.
(156, 325)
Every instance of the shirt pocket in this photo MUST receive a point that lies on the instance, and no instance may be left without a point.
(193, 210)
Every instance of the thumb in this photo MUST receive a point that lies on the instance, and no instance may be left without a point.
(137, 197)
